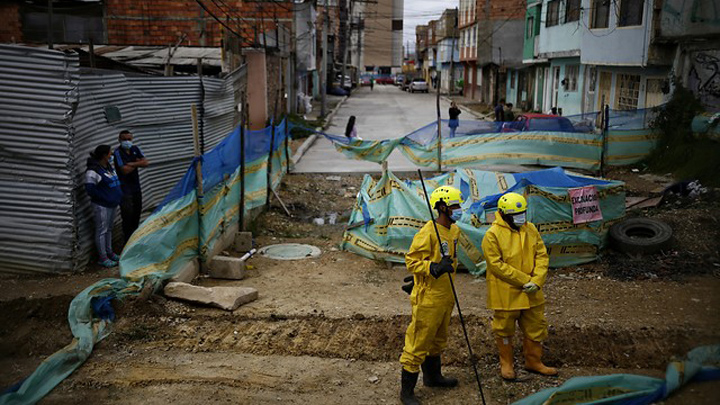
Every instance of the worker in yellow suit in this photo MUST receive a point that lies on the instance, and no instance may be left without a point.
(432, 296)
(517, 265)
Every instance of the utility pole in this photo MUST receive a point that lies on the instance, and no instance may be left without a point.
(451, 85)
(323, 67)
(50, 24)
(343, 38)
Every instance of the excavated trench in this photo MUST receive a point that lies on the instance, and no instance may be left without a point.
(381, 339)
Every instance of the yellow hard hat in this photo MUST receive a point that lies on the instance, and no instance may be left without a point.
(447, 194)
(512, 203)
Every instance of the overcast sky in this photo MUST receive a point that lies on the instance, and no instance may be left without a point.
(419, 12)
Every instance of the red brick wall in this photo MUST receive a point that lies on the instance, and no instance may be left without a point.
(163, 22)
(10, 23)
(502, 9)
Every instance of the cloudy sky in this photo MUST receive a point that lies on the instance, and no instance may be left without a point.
(419, 12)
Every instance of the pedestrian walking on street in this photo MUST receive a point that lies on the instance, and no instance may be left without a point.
(432, 296)
(128, 160)
(517, 265)
(372, 83)
(103, 187)
(454, 112)
(351, 130)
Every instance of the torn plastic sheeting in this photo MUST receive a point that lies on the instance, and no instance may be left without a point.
(701, 364)
(398, 210)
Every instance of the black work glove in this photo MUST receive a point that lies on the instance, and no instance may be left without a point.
(445, 266)
(408, 287)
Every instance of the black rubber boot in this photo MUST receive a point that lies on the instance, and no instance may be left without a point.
(407, 390)
(432, 376)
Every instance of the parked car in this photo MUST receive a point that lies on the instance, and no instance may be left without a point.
(539, 122)
(399, 80)
(418, 84)
(365, 80)
(384, 79)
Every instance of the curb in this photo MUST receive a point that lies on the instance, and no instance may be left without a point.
(312, 138)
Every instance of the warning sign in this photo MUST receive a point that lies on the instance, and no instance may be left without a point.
(585, 204)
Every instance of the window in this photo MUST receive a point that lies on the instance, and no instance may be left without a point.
(572, 10)
(552, 13)
(571, 77)
(628, 92)
(71, 24)
(530, 29)
(631, 13)
(397, 25)
(600, 13)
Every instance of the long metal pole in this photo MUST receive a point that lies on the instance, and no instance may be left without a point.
(50, 24)
(452, 285)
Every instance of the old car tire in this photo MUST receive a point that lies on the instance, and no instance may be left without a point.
(641, 235)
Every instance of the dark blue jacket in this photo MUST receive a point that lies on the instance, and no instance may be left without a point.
(130, 182)
(102, 185)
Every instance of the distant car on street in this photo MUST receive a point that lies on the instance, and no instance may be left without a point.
(365, 80)
(384, 79)
(539, 122)
(418, 84)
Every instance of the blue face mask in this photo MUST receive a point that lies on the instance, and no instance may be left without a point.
(519, 219)
(126, 144)
(111, 160)
(456, 215)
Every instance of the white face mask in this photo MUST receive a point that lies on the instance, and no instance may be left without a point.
(519, 219)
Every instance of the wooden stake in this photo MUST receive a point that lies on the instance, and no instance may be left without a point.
(198, 178)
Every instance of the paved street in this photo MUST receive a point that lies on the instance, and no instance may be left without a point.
(386, 112)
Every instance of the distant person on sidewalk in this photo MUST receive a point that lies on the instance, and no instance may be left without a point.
(509, 114)
(103, 187)
(517, 267)
(350, 130)
(500, 111)
(128, 160)
(453, 112)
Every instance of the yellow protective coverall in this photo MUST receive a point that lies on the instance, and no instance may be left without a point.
(515, 258)
(432, 299)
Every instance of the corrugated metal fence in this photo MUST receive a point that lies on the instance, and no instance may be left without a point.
(52, 114)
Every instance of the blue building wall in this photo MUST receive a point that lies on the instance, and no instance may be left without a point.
(615, 45)
(569, 101)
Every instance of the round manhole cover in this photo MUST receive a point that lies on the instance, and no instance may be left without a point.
(290, 251)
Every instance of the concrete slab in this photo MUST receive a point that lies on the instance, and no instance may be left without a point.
(242, 242)
(188, 273)
(226, 267)
(227, 298)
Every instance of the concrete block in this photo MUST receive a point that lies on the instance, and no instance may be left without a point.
(227, 267)
(188, 273)
(242, 242)
(227, 298)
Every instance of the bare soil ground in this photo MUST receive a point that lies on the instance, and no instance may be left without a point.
(330, 330)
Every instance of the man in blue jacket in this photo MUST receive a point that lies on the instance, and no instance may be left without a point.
(128, 159)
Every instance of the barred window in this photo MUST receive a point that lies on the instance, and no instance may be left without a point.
(628, 92)
(571, 75)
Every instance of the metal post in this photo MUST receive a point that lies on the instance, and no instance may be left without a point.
(50, 24)
(323, 67)
(243, 123)
(439, 124)
(270, 149)
(287, 144)
(606, 126)
(198, 178)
